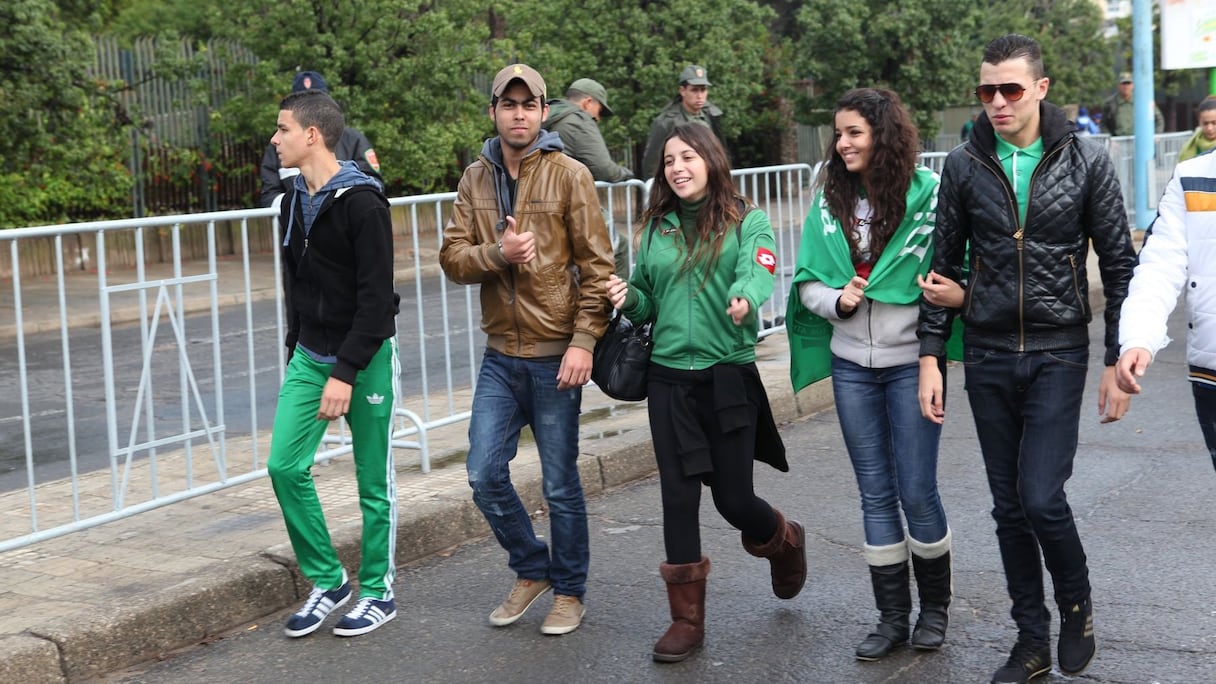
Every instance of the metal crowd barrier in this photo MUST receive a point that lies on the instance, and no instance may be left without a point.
(1165, 156)
(114, 408)
(148, 352)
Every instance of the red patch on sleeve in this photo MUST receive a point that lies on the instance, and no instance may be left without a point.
(766, 259)
(370, 156)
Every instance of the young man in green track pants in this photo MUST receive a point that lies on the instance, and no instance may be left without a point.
(341, 309)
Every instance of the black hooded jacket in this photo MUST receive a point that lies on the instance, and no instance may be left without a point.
(338, 272)
(1028, 287)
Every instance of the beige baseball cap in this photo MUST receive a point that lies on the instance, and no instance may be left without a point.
(522, 72)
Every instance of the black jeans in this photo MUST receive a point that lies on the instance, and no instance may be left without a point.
(1205, 410)
(1027, 408)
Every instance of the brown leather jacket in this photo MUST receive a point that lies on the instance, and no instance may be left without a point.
(556, 300)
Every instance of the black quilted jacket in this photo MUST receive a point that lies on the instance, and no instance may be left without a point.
(1028, 289)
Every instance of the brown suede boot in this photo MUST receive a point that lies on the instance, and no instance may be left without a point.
(686, 595)
(786, 554)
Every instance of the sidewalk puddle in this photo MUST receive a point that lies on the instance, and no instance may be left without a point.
(614, 411)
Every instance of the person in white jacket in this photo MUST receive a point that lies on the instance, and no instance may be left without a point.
(1179, 250)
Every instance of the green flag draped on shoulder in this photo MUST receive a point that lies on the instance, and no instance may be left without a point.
(824, 256)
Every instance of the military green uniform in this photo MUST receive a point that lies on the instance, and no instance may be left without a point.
(1119, 115)
(674, 114)
(581, 137)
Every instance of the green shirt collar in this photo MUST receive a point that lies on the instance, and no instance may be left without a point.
(1005, 149)
(1019, 165)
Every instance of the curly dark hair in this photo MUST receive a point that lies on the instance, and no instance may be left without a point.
(895, 145)
(722, 203)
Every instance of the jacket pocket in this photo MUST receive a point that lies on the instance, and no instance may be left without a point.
(1082, 299)
(973, 283)
(557, 289)
(541, 206)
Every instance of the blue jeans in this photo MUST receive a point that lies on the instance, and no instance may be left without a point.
(893, 450)
(1027, 409)
(1205, 410)
(511, 393)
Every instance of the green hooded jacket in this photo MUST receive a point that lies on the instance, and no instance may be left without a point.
(692, 330)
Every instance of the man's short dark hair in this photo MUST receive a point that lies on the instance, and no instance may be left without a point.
(315, 108)
(576, 95)
(1016, 46)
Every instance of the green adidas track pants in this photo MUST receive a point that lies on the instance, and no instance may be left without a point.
(293, 445)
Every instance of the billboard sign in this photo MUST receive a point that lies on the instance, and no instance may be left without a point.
(1188, 34)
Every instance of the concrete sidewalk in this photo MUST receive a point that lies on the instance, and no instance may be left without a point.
(79, 606)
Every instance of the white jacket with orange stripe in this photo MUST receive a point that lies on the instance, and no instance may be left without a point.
(1179, 251)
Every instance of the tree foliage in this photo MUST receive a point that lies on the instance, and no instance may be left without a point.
(414, 76)
(56, 131)
(922, 49)
(637, 51)
(136, 18)
(929, 51)
(404, 72)
(1076, 56)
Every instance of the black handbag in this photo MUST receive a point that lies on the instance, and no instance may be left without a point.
(618, 366)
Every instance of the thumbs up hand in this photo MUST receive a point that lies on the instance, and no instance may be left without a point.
(517, 248)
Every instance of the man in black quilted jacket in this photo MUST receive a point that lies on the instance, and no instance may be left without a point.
(1029, 196)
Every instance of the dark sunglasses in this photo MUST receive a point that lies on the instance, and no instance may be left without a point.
(1010, 91)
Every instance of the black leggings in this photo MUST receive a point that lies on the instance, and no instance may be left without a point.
(730, 483)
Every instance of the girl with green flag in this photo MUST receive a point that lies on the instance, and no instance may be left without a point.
(853, 315)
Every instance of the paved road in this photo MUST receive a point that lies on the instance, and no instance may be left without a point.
(1141, 493)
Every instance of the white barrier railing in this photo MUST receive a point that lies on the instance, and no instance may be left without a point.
(139, 387)
(189, 350)
(1165, 155)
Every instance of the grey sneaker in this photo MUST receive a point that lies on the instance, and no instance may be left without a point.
(566, 616)
(522, 596)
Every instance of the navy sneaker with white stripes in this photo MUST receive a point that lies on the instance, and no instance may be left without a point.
(319, 605)
(368, 614)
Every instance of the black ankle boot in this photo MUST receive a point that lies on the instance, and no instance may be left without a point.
(894, 601)
(933, 584)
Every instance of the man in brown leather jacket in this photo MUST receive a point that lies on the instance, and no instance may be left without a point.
(527, 226)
